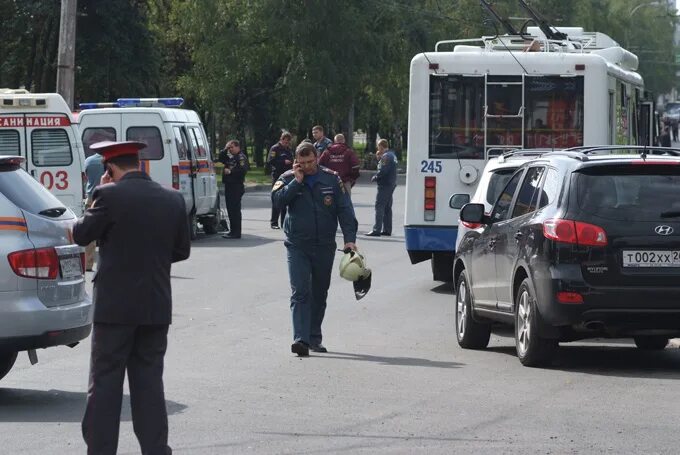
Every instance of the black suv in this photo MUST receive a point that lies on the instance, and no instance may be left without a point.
(581, 243)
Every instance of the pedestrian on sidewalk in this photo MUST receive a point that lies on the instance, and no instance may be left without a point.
(94, 169)
(665, 138)
(322, 142)
(132, 297)
(316, 202)
(234, 174)
(280, 160)
(342, 160)
(386, 178)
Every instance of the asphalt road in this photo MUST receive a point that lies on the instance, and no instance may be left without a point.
(394, 381)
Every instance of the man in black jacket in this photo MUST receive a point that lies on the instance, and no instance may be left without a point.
(280, 160)
(141, 229)
(234, 174)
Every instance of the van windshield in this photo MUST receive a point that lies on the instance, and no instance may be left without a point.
(29, 195)
(629, 192)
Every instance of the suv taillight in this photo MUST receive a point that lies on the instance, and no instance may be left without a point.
(40, 263)
(576, 232)
(175, 177)
(430, 198)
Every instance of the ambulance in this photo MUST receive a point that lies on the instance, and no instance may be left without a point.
(40, 128)
(177, 153)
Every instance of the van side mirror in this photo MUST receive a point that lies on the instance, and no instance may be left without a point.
(457, 201)
(473, 213)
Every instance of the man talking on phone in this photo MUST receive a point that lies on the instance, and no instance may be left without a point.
(141, 229)
(316, 202)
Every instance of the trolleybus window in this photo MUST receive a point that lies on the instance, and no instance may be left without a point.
(554, 111)
(456, 117)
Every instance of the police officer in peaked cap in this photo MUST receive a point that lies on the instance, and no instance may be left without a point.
(316, 202)
(141, 229)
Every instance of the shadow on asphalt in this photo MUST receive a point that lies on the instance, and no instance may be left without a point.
(25, 405)
(444, 288)
(246, 241)
(396, 361)
(606, 360)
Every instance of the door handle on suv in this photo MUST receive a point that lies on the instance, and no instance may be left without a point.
(492, 243)
(519, 235)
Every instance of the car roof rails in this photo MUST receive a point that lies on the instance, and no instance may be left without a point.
(582, 152)
(521, 153)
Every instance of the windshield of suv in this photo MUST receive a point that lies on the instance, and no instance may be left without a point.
(629, 192)
(497, 182)
(27, 194)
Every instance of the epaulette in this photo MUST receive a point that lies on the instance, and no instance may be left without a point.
(328, 171)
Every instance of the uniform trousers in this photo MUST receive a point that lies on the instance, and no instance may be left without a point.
(140, 350)
(233, 192)
(309, 269)
(383, 209)
(276, 212)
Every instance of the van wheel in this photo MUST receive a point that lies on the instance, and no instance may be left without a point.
(470, 333)
(6, 363)
(193, 226)
(211, 224)
(651, 343)
(532, 350)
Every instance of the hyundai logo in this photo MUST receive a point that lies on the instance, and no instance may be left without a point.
(663, 230)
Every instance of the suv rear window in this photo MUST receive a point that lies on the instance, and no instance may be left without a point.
(497, 182)
(151, 136)
(94, 135)
(629, 192)
(27, 194)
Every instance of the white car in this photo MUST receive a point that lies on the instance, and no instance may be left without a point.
(495, 176)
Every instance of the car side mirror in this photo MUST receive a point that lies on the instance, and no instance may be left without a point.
(473, 213)
(457, 201)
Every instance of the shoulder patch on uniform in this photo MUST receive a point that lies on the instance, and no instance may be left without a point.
(277, 186)
(272, 153)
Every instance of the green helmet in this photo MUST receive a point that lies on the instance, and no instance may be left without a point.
(353, 268)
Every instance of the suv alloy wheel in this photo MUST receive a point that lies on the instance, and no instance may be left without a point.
(470, 333)
(531, 349)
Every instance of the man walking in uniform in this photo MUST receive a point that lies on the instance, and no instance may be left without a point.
(141, 228)
(386, 178)
(316, 202)
(235, 168)
(280, 160)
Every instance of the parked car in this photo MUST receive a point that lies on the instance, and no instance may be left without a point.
(43, 301)
(580, 244)
(495, 176)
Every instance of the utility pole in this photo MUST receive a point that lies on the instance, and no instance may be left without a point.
(67, 51)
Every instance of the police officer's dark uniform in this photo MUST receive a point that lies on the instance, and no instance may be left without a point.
(141, 229)
(314, 208)
(278, 155)
(234, 188)
(386, 178)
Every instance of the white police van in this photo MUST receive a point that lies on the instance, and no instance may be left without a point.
(41, 128)
(177, 153)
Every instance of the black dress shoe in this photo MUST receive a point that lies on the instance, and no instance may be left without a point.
(372, 234)
(386, 234)
(230, 236)
(275, 226)
(318, 348)
(300, 348)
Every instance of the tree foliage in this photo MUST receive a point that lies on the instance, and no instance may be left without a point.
(255, 67)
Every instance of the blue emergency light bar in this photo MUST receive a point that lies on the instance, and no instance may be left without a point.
(84, 106)
(146, 102)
